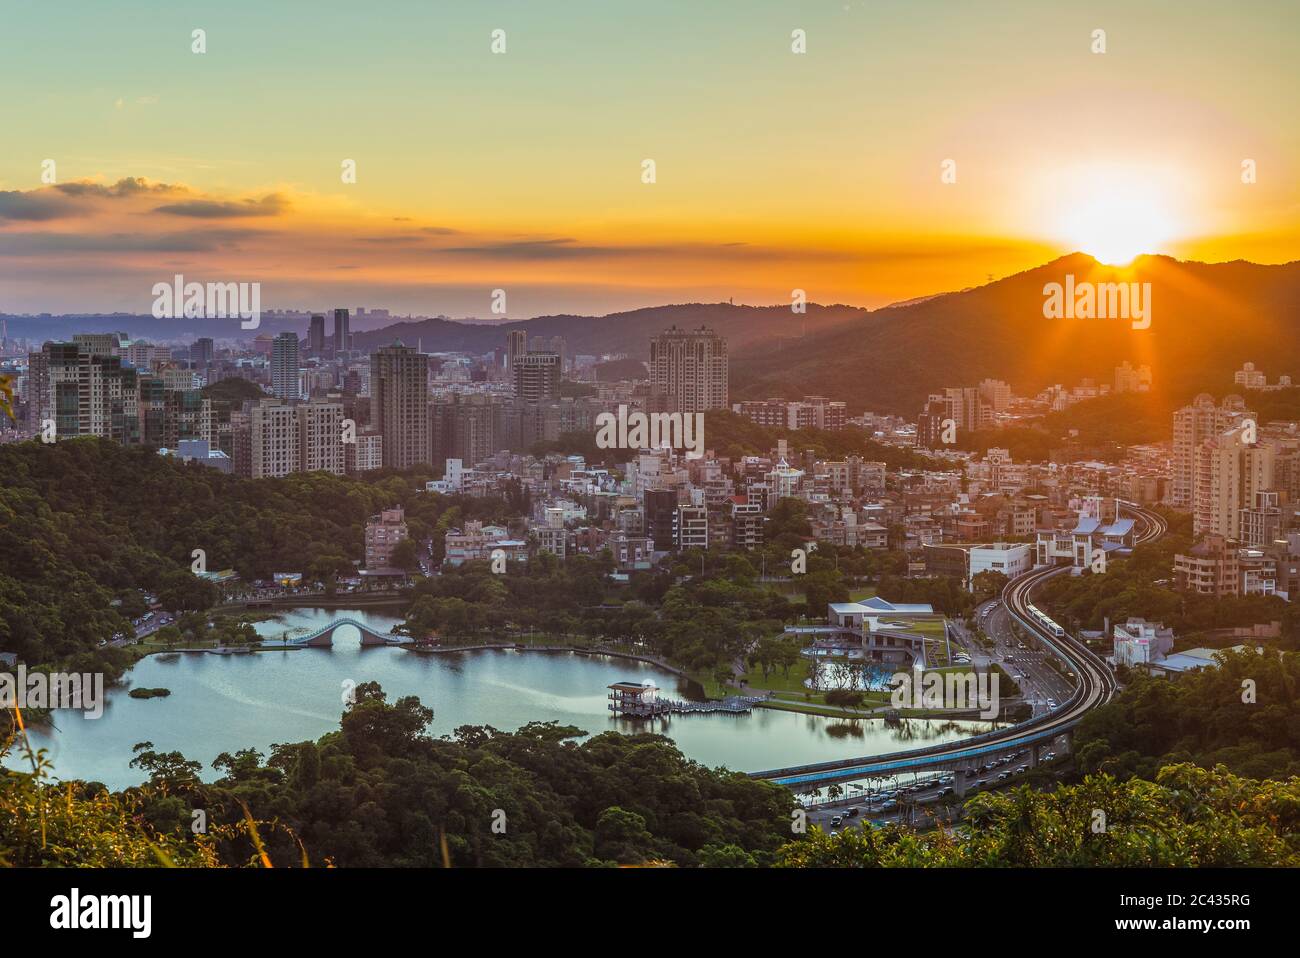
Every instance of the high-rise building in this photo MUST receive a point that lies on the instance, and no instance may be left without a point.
(201, 352)
(36, 389)
(399, 404)
(342, 335)
(1230, 472)
(101, 344)
(316, 335)
(463, 427)
(967, 408)
(996, 394)
(275, 446)
(277, 438)
(1193, 425)
(320, 437)
(516, 345)
(284, 366)
(364, 455)
(85, 393)
(1261, 521)
(689, 370)
(931, 422)
(536, 377)
(661, 518)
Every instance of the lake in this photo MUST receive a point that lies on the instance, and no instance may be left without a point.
(223, 703)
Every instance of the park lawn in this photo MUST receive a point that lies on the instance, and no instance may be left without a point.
(861, 593)
(777, 681)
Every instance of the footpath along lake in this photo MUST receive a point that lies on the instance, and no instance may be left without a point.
(223, 703)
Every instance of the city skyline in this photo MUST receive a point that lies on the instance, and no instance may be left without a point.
(774, 170)
(605, 435)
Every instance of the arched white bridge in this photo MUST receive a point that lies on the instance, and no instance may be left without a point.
(324, 636)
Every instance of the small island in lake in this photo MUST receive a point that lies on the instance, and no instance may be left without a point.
(149, 693)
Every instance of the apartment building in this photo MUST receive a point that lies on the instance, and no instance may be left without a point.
(689, 370)
(1229, 473)
(1211, 568)
(399, 404)
(383, 533)
(1194, 424)
(536, 377)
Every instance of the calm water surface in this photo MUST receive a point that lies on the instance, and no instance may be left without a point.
(222, 703)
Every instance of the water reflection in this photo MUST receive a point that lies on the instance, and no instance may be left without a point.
(224, 703)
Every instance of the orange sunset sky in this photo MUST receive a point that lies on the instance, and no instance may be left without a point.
(522, 170)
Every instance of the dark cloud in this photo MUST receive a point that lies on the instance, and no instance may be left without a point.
(127, 186)
(270, 205)
(36, 205)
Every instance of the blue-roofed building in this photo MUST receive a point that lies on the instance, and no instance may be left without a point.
(1076, 546)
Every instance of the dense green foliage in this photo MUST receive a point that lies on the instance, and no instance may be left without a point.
(380, 791)
(701, 622)
(1244, 715)
(1188, 817)
(85, 522)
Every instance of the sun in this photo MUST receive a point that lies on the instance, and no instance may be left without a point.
(1115, 217)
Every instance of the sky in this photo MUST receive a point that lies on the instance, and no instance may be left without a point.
(916, 147)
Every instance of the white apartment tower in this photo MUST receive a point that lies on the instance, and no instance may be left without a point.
(1193, 425)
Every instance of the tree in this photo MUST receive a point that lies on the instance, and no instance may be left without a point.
(164, 768)
(186, 592)
(622, 836)
(988, 584)
(406, 555)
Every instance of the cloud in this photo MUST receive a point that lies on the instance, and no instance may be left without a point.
(125, 187)
(63, 200)
(34, 205)
(272, 204)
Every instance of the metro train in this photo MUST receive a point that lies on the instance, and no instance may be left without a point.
(1045, 621)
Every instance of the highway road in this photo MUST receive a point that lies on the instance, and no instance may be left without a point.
(1095, 685)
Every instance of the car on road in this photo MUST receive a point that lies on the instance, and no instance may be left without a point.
(889, 806)
(1022, 769)
(1003, 776)
(835, 822)
(853, 812)
(981, 783)
(1051, 703)
(944, 791)
(1049, 756)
